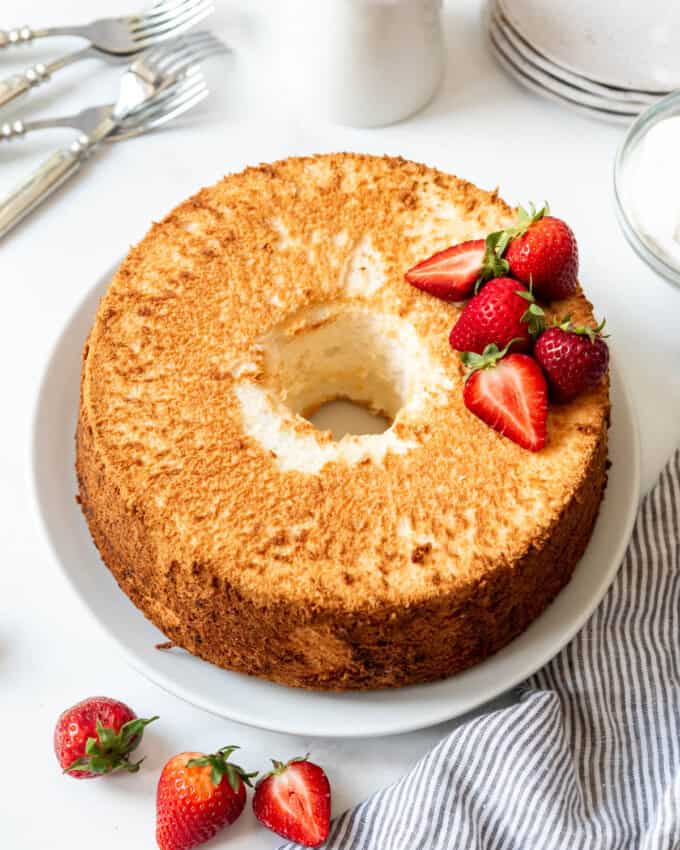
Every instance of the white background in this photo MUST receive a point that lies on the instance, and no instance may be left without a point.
(480, 126)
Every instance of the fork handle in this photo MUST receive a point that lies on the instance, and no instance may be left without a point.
(18, 35)
(51, 174)
(25, 35)
(33, 191)
(13, 87)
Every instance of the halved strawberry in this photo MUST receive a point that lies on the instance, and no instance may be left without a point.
(452, 274)
(294, 800)
(509, 393)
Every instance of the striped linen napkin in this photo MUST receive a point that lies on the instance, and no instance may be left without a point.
(589, 754)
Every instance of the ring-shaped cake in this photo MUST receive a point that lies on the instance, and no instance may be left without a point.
(255, 540)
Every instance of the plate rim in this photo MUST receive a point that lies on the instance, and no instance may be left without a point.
(411, 721)
(534, 57)
(515, 73)
(551, 57)
(561, 88)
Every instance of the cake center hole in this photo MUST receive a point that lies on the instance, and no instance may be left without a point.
(346, 370)
(344, 416)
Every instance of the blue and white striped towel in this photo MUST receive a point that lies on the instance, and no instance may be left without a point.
(589, 755)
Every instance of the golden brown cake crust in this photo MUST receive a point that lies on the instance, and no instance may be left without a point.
(373, 573)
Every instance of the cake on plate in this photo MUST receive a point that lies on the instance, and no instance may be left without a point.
(260, 543)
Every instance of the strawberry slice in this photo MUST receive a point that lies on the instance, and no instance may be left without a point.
(509, 393)
(450, 274)
(294, 800)
(453, 274)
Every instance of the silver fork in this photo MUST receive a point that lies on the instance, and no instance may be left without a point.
(110, 38)
(140, 106)
(157, 66)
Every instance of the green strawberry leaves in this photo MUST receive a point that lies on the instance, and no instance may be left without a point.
(566, 324)
(473, 362)
(493, 264)
(525, 218)
(221, 767)
(110, 750)
(280, 766)
(534, 315)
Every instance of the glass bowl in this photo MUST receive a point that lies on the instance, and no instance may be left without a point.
(642, 243)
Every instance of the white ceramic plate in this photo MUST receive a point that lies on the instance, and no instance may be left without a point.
(627, 96)
(510, 62)
(558, 86)
(623, 43)
(270, 706)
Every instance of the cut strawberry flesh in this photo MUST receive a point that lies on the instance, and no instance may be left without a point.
(297, 805)
(295, 802)
(512, 399)
(450, 274)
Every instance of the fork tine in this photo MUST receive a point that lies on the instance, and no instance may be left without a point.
(161, 14)
(188, 62)
(193, 57)
(176, 25)
(167, 107)
(159, 101)
(155, 54)
(164, 52)
(154, 11)
(155, 120)
(194, 12)
(180, 106)
(194, 52)
(169, 100)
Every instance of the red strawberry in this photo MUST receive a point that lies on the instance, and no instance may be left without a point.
(574, 358)
(451, 274)
(197, 796)
(543, 251)
(294, 800)
(96, 736)
(498, 314)
(509, 393)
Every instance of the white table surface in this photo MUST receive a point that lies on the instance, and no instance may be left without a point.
(481, 126)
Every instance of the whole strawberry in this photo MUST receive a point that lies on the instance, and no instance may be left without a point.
(294, 800)
(502, 311)
(543, 251)
(96, 736)
(197, 796)
(574, 358)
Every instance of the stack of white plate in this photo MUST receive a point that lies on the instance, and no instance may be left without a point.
(610, 59)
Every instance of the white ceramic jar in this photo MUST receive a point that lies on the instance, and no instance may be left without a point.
(367, 63)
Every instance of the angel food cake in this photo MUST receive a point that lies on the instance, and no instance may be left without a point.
(258, 542)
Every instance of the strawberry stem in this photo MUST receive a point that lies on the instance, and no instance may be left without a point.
(110, 750)
(280, 766)
(534, 315)
(566, 324)
(489, 358)
(525, 218)
(493, 264)
(220, 766)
